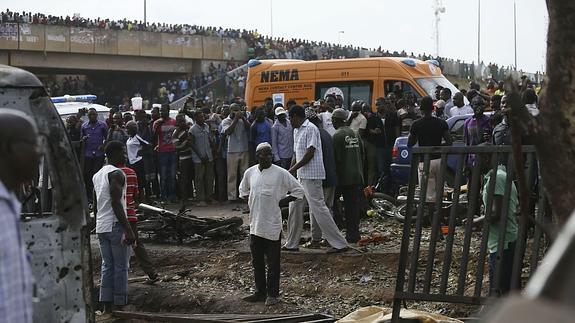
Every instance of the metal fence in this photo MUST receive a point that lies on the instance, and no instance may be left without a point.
(447, 262)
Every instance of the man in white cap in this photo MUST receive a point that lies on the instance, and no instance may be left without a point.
(282, 139)
(266, 186)
(440, 110)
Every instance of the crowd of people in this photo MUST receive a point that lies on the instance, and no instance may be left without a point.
(223, 79)
(220, 151)
(262, 46)
(274, 155)
(220, 80)
(271, 156)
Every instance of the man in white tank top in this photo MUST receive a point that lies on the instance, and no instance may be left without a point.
(114, 231)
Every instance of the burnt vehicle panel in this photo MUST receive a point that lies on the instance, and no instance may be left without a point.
(54, 222)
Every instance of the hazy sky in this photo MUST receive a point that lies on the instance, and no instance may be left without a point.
(393, 24)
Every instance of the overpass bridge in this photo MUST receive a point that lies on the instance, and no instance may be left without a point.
(62, 49)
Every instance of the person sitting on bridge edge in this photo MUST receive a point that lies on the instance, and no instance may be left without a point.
(266, 186)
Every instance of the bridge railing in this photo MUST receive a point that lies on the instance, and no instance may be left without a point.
(51, 38)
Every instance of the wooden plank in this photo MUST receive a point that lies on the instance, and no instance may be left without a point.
(179, 318)
(222, 318)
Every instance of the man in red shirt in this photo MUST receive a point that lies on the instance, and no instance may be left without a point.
(131, 205)
(163, 129)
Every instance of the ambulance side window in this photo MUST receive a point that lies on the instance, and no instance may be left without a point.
(351, 91)
(399, 88)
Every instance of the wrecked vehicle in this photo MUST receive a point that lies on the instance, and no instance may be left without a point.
(54, 221)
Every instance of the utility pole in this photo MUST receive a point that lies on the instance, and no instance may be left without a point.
(144, 12)
(439, 9)
(272, 18)
(339, 36)
(478, 32)
(515, 31)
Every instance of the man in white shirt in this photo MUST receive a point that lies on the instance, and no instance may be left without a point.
(112, 227)
(135, 145)
(282, 139)
(530, 99)
(357, 121)
(310, 171)
(266, 186)
(459, 106)
(445, 95)
(236, 127)
(325, 116)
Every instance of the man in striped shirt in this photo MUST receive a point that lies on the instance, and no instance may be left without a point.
(132, 194)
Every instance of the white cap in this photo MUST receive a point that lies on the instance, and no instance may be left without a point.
(263, 145)
(280, 110)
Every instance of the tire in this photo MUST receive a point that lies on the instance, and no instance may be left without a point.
(229, 222)
(400, 213)
(153, 225)
(450, 178)
(383, 204)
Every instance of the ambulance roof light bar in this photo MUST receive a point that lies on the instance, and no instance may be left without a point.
(74, 98)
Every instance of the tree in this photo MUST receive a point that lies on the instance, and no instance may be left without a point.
(553, 130)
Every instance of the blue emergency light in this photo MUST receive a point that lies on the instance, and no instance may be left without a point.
(253, 62)
(74, 98)
(433, 62)
(408, 62)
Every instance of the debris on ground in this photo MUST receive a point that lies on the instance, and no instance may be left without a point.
(376, 314)
(211, 275)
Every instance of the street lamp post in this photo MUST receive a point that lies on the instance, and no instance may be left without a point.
(339, 36)
(515, 32)
(144, 12)
(272, 18)
(478, 32)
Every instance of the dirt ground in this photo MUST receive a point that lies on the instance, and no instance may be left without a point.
(212, 275)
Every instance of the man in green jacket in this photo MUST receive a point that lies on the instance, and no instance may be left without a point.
(348, 160)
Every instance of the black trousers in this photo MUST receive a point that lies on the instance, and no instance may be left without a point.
(221, 175)
(91, 166)
(266, 251)
(141, 174)
(503, 286)
(351, 204)
(185, 177)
